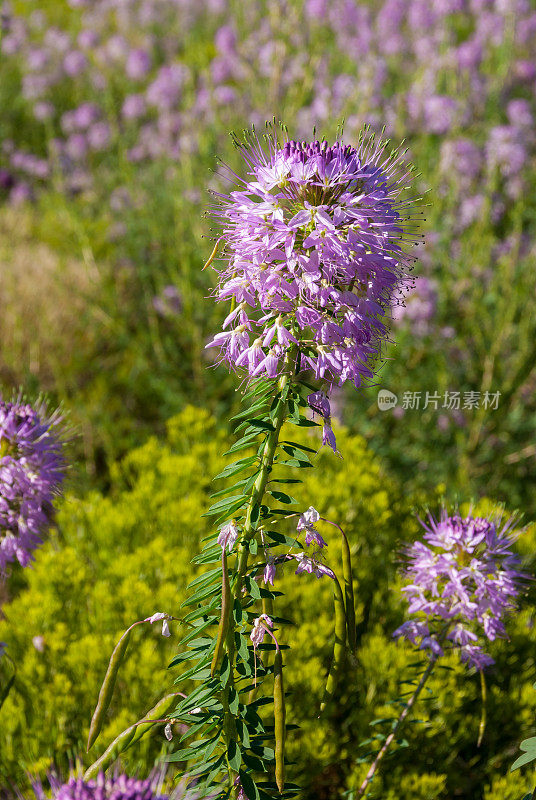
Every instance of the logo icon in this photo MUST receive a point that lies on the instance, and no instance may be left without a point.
(386, 400)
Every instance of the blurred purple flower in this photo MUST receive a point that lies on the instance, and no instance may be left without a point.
(113, 787)
(83, 116)
(461, 157)
(461, 582)
(20, 193)
(470, 210)
(505, 150)
(164, 91)
(225, 40)
(32, 469)
(43, 110)
(74, 63)
(440, 112)
(419, 307)
(99, 135)
(138, 64)
(87, 39)
(76, 146)
(134, 106)
(519, 113)
(168, 303)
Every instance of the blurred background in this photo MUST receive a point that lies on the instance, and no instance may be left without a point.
(113, 114)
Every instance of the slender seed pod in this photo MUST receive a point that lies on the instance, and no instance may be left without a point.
(279, 719)
(226, 605)
(107, 688)
(130, 735)
(339, 646)
(212, 256)
(348, 593)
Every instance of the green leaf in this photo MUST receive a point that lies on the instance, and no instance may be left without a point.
(234, 701)
(253, 588)
(255, 516)
(236, 466)
(234, 755)
(202, 594)
(232, 488)
(251, 410)
(241, 444)
(526, 758)
(225, 670)
(242, 647)
(205, 577)
(301, 447)
(259, 424)
(248, 784)
(295, 462)
(204, 611)
(282, 497)
(236, 501)
(529, 745)
(254, 762)
(281, 538)
(305, 423)
(180, 755)
(243, 732)
(208, 556)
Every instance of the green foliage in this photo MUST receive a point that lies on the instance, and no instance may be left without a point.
(117, 559)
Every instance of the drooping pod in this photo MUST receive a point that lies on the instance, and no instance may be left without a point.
(107, 688)
(131, 735)
(226, 604)
(349, 601)
(339, 647)
(279, 720)
(348, 593)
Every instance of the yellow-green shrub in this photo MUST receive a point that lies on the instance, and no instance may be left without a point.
(119, 558)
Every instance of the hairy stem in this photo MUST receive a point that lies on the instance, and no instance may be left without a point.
(411, 702)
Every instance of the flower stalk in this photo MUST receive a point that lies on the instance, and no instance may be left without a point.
(399, 723)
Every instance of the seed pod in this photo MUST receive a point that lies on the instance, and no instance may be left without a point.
(339, 646)
(107, 688)
(226, 604)
(130, 735)
(212, 256)
(279, 718)
(348, 592)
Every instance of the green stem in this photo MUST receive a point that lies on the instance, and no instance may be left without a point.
(267, 461)
(400, 721)
(250, 526)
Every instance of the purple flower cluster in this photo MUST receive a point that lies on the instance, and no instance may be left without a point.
(462, 581)
(114, 787)
(419, 307)
(315, 242)
(402, 63)
(32, 469)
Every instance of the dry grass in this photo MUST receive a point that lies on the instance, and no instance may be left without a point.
(44, 306)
